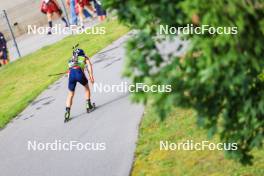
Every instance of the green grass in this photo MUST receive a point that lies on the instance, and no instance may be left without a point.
(23, 80)
(179, 127)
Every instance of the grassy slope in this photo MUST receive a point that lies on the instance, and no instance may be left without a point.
(180, 126)
(24, 79)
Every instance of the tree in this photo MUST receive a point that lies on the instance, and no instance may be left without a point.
(219, 75)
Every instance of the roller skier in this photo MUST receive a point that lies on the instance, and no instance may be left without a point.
(77, 65)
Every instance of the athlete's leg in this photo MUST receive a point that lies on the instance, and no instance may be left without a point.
(87, 92)
(71, 86)
(88, 96)
(69, 99)
(101, 13)
(101, 18)
(49, 17)
(59, 13)
(83, 81)
(91, 10)
(5, 62)
(1, 58)
(5, 57)
(68, 105)
(81, 15)
(1, 62)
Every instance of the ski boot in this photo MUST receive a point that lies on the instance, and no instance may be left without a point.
(90, 107)
(67, 116)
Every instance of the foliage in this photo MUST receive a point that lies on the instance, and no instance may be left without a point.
(218, 76)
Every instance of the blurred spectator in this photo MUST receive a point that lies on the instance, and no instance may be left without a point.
(49, 7)
(71, 5)
(3, 50)
(101, 13)
(79, 7)
(87, 14)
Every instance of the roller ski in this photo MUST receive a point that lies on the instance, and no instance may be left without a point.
(90, 107)
(67, 116)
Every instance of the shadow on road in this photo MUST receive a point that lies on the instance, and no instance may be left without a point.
(102, 105)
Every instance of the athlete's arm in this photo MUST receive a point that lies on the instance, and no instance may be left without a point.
(89, 69)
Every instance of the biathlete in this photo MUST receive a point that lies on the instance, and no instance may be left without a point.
(101, 13)
(49, 7)
(3, 50)
(77, 65)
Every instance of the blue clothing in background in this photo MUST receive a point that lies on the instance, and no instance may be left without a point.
(99, 10)
(86, 13)
(74, 19)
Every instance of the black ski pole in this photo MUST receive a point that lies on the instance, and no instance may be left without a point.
(57, 74)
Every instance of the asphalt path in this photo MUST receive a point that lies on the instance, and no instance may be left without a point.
(109, 133)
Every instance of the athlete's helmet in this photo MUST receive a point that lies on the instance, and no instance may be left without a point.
(78, 52)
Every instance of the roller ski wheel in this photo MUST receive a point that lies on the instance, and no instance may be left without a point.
(67, 117)
(90, 109)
